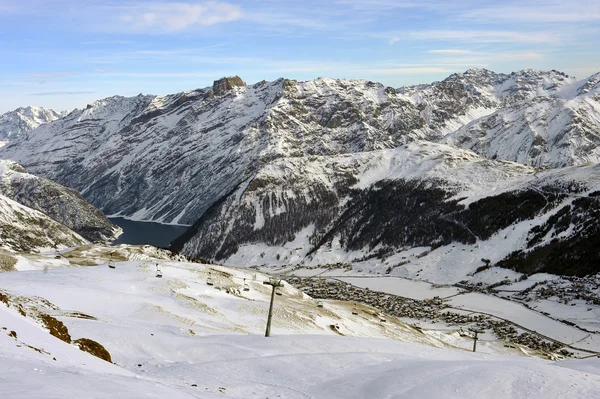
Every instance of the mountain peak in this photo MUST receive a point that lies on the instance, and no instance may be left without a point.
(24, 119)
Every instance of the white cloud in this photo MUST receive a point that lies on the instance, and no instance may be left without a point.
(61, 93)
(473, 58)
(49, 75)
(451, 51)
(174, 17)
(539, 11)
(479, 36)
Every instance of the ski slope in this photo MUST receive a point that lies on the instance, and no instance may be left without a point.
(178, 337)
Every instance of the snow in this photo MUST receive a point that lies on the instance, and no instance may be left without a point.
(167, 335)
(402, 287)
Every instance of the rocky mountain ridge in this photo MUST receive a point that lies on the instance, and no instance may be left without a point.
(131, 156)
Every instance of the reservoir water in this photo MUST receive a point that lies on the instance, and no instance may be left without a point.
(140, 233)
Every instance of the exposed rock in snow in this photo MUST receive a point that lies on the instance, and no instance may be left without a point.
(223, 85)
(543, 132)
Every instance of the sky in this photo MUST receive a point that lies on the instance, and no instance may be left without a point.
(64, 54)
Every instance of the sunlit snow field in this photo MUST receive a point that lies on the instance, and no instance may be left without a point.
(178, 337)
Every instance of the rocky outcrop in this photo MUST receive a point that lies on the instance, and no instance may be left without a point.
(223, 85)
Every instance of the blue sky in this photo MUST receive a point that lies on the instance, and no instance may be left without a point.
(64, 54)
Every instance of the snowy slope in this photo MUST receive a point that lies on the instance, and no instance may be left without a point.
(57, 202)
(544, 132)
(180, 338)
(25, 229)
(464, 97)
(375, 206)
(19, 122)
(545, 119)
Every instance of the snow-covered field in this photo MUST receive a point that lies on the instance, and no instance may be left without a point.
(402, 287)
(178, 337)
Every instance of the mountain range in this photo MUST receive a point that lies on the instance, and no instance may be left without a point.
(501, 167)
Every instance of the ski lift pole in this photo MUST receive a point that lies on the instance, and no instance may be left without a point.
(475, 337)
(274, 283)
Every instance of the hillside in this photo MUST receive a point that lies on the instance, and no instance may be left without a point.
(179, 337)
(371, 209)
(59, 203)
(25, 229)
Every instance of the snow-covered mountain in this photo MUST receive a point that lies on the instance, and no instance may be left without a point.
(372, 207)
(19, 122)
(545, 119)
(62, 204)
(543, 132)
(334, 170)
(132, 156)
(463, 97)
(25, 230)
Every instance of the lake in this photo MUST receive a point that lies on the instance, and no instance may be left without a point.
(140, 233)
